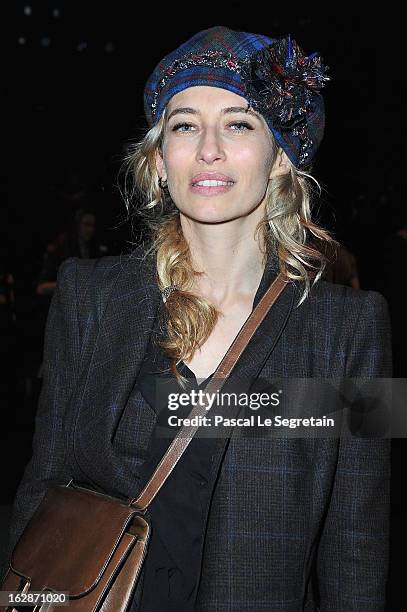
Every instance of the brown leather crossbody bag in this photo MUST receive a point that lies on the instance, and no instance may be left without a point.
(92, 546)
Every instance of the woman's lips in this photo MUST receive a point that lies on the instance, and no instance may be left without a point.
(210, 191)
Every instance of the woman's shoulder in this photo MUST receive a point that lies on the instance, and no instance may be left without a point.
(102, 271)
(86, 268)
(91, 283)
(325, 292)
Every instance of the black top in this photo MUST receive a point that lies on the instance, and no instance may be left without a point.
(172, 566)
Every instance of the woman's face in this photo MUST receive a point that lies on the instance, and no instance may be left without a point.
(205, 134)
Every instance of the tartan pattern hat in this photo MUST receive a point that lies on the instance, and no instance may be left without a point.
(273, 75)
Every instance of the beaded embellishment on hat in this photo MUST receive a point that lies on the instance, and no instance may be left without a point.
(214, 59)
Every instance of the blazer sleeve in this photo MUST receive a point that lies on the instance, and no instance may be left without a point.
(353, 556)
(48, 464)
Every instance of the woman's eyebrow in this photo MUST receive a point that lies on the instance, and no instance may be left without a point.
(230, 109)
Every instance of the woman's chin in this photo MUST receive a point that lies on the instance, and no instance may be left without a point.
(208, 214)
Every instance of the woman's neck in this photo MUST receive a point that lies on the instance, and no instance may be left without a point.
(233, 265)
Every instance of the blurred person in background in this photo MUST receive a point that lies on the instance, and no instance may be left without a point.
(7, 335)
(392, 280)
(342, 267)
(80, 241)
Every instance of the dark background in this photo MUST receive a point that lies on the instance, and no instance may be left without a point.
(75, 100)
(75, 78)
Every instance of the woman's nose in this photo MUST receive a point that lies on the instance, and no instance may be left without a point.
(210, 146)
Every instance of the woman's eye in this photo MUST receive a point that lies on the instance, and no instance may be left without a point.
(177, 127)
(180, 125)
(246, 125)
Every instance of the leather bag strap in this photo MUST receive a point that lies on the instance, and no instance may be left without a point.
(184, 436)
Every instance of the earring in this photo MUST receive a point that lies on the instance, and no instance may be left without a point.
(160, 182)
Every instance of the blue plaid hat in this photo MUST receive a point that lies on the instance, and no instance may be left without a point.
(273, 75)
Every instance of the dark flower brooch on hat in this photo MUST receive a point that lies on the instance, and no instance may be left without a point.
(281, 83)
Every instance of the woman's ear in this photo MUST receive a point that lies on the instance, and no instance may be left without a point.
(281, 166)
(159, 163)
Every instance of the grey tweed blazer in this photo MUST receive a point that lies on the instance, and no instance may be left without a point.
(293, 524)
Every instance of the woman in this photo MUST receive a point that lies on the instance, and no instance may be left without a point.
(243, 523)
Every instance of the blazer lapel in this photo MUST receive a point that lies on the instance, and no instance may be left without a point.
(258, 351)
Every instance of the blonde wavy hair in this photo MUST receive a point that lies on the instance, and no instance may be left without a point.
(286, 230)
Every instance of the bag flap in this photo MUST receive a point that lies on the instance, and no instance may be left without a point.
(71, 538)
